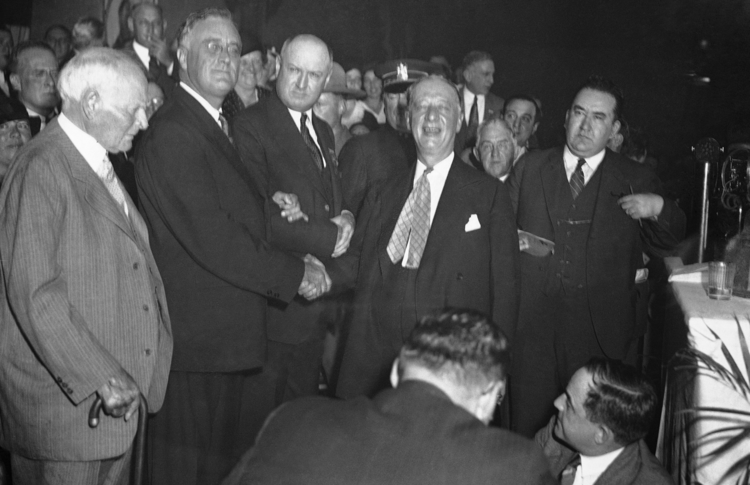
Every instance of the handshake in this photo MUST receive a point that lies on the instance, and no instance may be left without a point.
(316, 281)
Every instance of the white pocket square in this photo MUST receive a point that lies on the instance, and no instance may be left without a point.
(473, 224)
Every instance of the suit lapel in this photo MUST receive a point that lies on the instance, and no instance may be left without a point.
(551, 172)
(328, 146)
(95, 193)
(289, 139)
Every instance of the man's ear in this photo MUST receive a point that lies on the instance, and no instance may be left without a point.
(91, 102)
(15, 81)
(603, 435)
(182, 57)
(131, 25)
(536, 125)
(615, 128)
(460, 119)
(394, 374)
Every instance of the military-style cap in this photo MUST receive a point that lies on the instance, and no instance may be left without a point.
(399, 74)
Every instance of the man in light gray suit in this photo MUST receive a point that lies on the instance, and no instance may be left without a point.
(82, 306)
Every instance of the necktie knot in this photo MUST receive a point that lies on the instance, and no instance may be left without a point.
(568, 475)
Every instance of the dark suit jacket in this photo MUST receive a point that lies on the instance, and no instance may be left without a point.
(274, 153)
(475, 269)
(615, 241)
(368, 162)
(636, 465)
(81, 300)
(207, 233)
(156, 71)
(410, 435)
(493, 106)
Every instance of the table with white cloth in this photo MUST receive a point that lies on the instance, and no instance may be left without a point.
(690, 434)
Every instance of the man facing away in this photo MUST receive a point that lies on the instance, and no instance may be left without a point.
(597, 436)
(83, 311)
(432, 427)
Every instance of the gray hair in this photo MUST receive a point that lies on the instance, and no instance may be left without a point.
(494, 120)
(95, 68)
(432, 77)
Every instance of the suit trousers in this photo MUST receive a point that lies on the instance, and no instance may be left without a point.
(295, 368)
(207, 422)
(556, 340)
(114, 471)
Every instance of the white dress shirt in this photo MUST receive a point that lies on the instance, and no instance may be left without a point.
(469, 102)
(592, 163)
(592, 467)
(211, 110)
(34, 114)
(88, 147)
(145, 57)
(297, 117)
(437, 182)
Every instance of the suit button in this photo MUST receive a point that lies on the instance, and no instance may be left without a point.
(327, 207)
(580, 287)
(568, 234)
(135, 265)
(459, 276)
(148, 352)
(145, 308)
(573, 206)
(70, 391)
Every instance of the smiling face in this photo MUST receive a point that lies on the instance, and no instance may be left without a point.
(435, 117)
(373, 85)
(304, 69)
(572, 425)
(210, 58)
(590, 122)
(520, 115)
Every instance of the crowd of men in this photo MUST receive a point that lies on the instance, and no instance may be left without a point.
(198, 225)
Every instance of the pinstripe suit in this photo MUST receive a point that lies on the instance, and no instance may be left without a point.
(82, 300)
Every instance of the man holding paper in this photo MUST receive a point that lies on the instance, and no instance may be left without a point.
(601, 211)
(443, 236)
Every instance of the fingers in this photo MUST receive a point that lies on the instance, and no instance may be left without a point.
(133, 408)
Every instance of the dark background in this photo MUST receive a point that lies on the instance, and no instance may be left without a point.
(542, 47)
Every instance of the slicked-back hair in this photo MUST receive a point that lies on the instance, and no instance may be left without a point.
(433, 77)
(530, 99)
(96, 68)
(25, 46)
(138, 6)
(473, 57)
(620, 398)
(604, 85)
(86, 30)
(194, 18)
(462, 345)
(58, 27)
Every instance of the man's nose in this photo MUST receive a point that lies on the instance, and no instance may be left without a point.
(302, 81)
(432, 113)
(14, 133)
(559, 402)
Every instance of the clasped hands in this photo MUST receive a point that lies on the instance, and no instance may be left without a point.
(291, 211)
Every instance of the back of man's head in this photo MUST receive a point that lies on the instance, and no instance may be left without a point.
(620, 398)
(462, 347)
(88, 32)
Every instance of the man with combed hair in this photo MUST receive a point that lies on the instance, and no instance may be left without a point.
(285, 146)
(600, 210)
(523, 114)
(477, 102)
(495, 149)
(441, 234)
(597, 435)
(430, 428)
(84, 314)
(33, 75)
(88, 32)
(150, 47)
(208, 233)
(59, 39)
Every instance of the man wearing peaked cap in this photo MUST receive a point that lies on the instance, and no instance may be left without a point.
(369, 161)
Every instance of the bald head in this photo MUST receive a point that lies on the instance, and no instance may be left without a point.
(304, 67)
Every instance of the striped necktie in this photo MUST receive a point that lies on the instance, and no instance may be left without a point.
(108, 176)
(577, 180)
(414, 223)
(311, 146)
(474, 113)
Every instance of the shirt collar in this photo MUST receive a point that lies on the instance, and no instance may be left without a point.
(592, 467)
(592, 161)
(297, 116)
(142, 52)
(211, 110)
(440, 169)
(86, 144)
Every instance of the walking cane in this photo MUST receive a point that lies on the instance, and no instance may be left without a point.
(139, 446)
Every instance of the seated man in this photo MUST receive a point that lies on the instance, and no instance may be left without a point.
(597, 435)
(432, 428)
